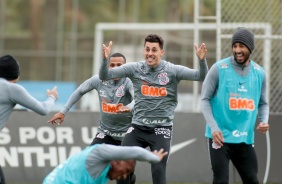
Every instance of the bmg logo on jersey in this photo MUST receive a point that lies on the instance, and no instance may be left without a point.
(163, 131)
(110, 108)
(153, 91)
(241, 104)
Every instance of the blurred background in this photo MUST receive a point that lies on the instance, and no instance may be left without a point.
(54, 40)
(58, 42)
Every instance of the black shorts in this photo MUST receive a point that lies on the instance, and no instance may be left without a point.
(153, 137)
(101, 138)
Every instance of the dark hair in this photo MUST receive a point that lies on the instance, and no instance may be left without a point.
(118, 55)
(153, 38)
(9, 67)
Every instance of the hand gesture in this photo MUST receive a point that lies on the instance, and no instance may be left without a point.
(57, 119)
(263, 127)
(201, 51)
(53, 92)
(106, 50)
(161, 154)
(123, 109)
(218, 138)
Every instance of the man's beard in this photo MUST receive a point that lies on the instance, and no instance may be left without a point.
(242, 63)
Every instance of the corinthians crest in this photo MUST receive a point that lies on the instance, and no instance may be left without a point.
(120, 91)
(163, 79)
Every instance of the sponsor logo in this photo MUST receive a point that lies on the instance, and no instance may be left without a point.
(237, 133)
(154, 121)
(163, 79)
(241, 83)
(145, 83)
(223, 65)
(142, 77)
(234, 94)
(256, 67)
(242, 89)
(110, 108)
(102, 93)
(120, 91)
(130, 129)
(163, 131)
(241, 104)
(105, 100)
(143, 69)
(114, 134)
(105, 83)
(215, 146)
(153, 91)
(100, 135)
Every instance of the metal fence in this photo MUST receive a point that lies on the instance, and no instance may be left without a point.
(256, 11)
(216, 30)
(69, 55)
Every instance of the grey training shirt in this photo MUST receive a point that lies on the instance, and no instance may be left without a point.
(112, 94)
(155, 89)
(12, 94)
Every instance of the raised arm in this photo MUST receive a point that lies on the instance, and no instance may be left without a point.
(199, 74)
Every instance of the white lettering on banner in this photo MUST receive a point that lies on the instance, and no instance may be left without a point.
(46, 135)
(56, 144)
(26, 133)
(11, 157)
(14, 154)
(62, 154)
(49, 138)
(86, 138)
(64, 133)
(50, 155)
(5, 137)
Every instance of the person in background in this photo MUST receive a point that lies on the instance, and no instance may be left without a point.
(98, 163)
(116, 103)
(155, 94)
(233, 94)
(12, 94)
